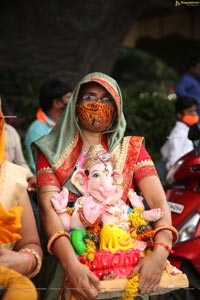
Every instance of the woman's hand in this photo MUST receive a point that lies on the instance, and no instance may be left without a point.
(14, 260)
(82, 281)
(150, 269)
(32, 184)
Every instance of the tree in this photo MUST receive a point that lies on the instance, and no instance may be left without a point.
(147, 85)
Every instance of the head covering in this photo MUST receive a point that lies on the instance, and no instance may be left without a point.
(62, 136)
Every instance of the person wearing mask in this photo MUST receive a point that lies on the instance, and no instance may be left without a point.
(189, 83)
(177, 143)
(53, 98)
(94, 116)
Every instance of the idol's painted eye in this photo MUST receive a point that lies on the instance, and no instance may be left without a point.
(95, 175)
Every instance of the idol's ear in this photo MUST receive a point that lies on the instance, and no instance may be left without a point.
(117, 177)
(80, 181)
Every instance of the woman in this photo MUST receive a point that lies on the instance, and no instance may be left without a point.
(20, 248)
(94, 115)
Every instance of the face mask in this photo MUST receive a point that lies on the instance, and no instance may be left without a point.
(190, 119)
(96, 117)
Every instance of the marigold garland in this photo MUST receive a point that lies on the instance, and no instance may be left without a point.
(146, 236)
(135, 217)
(90, 249)
(131, 288)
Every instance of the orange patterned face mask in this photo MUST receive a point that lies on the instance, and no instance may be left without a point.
(95, 117)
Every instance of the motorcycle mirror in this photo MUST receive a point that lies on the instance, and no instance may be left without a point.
(194, 132)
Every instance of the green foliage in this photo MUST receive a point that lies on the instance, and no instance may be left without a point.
(148, 104)
(148, 115)
(143, 69)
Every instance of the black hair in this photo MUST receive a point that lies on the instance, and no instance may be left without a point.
(194, 61)
(183, 103)
(50, 90)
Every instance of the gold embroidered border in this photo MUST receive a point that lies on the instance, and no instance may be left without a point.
(119, 154)
(44, 170)
(65, 155)
(143, 163)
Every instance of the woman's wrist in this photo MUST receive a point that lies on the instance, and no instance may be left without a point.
(164, 245)
(33, 262)
(164, 229)
(28, 262)
(57, 235)
(59, 244)
(71, 262)
(161, 252)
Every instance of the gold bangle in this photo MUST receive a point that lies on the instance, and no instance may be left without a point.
(54, 237)
(38, 260)
(167, 227)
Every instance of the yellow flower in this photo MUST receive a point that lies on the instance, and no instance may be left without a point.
(131, 288)
(90, 249)
(136, 219)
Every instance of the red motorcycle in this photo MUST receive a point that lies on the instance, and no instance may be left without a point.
(183, 195)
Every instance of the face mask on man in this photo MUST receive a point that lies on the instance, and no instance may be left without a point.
(190, 119)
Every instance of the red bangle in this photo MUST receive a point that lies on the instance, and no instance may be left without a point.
(167, 227)
(170, 251)
(54, 237)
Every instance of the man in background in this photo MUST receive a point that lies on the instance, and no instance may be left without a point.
(189, 83)
(178, 143)
(53, 98)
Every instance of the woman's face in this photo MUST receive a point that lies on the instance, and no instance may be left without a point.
(95, 108)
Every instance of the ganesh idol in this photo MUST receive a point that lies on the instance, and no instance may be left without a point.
(102, 226)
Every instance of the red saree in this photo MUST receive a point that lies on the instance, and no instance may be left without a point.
(130, 156)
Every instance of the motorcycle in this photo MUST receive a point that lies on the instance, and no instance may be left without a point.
(183, 196)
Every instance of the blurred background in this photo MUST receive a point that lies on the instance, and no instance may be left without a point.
(144, 44)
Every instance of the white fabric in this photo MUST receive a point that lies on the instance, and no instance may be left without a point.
(177, 144)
